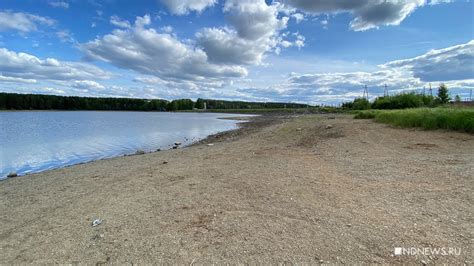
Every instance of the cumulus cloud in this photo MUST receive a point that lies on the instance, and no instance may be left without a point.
(367, 14)
(158, 54)
(59, 4)
(182, 7)
(25, 67)
(253, 31)
(452, 63)
(453, 66)
(22, 22)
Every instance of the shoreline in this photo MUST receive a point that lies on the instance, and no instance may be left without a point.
(302, 189)
(243, 119)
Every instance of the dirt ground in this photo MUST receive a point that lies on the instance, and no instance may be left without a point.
(310, 189)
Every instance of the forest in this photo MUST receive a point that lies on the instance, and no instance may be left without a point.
(16, 101)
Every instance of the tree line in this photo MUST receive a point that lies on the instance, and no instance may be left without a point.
(16, 101)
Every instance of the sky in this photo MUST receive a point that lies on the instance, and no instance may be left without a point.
(305, 51)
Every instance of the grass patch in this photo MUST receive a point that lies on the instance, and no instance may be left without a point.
(459, 119)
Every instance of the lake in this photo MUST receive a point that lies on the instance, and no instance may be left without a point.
(37, 141)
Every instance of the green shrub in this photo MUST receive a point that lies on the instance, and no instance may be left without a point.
(402, 101)
(360, 104)
(460, 119)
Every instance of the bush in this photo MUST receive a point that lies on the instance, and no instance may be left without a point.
(460, 119)
(360, 104)
(402, 101)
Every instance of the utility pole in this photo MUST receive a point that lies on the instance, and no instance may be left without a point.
(470, 96)
(385, 92)
(424, 90)
(431, 91)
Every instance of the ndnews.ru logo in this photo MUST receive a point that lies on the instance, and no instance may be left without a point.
(444, 251)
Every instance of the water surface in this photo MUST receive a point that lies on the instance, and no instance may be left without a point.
(37, 141)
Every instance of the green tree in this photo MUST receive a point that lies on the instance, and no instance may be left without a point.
(199, 103)
(361, 104)
(457, 99)
(443, 94)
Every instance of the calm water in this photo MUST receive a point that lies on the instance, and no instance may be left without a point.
(37, 141)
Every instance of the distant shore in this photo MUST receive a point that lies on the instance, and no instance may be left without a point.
(282, 188)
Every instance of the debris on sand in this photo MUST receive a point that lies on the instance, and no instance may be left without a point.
(329, 126)
(139, 152)
(299, 129)
(165, 162)
(210, 144)
(12, 174)
(96, 222)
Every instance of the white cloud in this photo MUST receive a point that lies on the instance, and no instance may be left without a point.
(298, 17)
(116, 21)
(158, 54)
(16, 80)
(253, 31)
(22, 67)
(452, 63)
(23, 22)
(87, 84)
(453, 66)
(59, 4)
(182, 7)
(368, 13)
(436, 2)
(65, 36)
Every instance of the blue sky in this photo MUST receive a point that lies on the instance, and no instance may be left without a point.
(311, 51)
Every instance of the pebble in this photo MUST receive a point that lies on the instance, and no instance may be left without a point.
(423, 262)
(329, 126)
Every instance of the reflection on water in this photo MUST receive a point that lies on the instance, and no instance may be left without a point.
(37, 141)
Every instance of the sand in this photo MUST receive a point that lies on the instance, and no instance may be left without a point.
(308, 189)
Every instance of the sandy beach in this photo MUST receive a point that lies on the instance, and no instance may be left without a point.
(282, 189)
